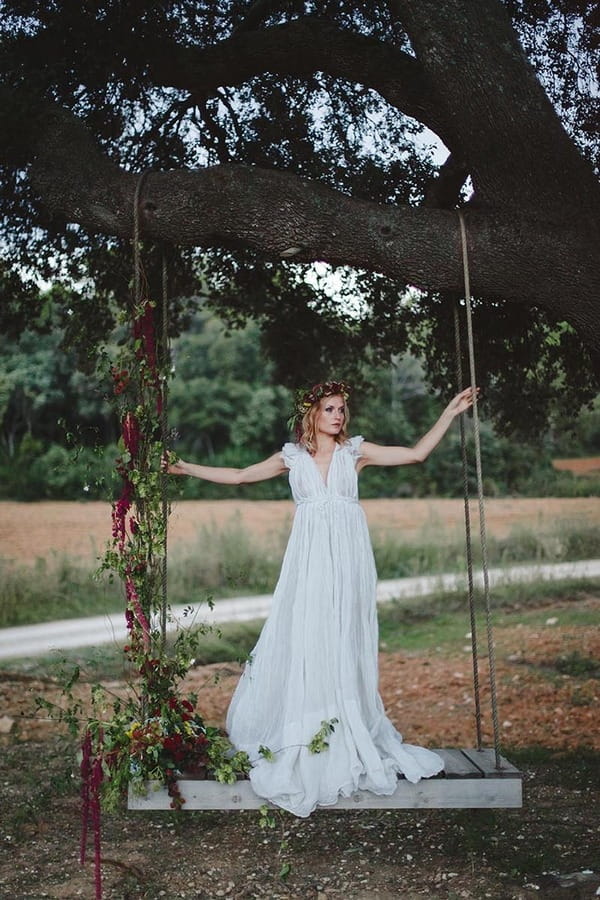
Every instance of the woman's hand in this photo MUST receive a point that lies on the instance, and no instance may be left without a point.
(461, 402)
(171, 465)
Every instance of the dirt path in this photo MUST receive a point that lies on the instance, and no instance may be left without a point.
(32, 530)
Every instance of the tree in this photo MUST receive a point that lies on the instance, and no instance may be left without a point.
(286, 131)
(43, 395)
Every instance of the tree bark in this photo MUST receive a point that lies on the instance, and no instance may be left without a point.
(299, 48)
(496, 110)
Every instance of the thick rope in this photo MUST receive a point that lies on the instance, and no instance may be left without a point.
(468, 535)
(137, 264)
(164, 361)
(482, 527)
(138, 276)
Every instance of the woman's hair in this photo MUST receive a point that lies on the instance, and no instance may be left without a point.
(308, 427)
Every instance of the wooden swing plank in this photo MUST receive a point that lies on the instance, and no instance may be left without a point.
(458, 765)
(486, 761)
(465, 784)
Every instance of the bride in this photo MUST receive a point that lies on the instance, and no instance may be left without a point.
(311, 680)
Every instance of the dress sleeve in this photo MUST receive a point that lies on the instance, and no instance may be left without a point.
(355, 445)
(289, 453)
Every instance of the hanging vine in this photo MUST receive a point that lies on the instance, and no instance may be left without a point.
(154, 733)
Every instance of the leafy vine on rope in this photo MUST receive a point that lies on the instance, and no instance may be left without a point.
(154, 733)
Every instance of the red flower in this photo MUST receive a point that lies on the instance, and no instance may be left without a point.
(130, 428)
(119, 513)
(120, 378)
(172, 744)
(143, 331)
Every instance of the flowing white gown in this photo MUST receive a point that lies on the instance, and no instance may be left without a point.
(316, 658)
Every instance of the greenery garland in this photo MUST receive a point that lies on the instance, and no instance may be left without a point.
(153, 734)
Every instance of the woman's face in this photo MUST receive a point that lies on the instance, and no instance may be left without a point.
(332, 413)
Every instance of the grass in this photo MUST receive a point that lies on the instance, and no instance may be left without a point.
(442, 620)
(410, 625)
(234, 561)
(577, 665)
(578, 768)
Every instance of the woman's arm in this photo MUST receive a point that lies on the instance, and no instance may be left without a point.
(376, 455)
(268, 468)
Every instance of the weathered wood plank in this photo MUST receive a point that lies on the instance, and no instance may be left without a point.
(431, 793)
(457, 765)
(468, 782)
(486, 761)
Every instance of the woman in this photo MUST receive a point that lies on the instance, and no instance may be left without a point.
(314, 668)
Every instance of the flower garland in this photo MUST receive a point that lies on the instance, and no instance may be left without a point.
(155, 733)
(305, 398)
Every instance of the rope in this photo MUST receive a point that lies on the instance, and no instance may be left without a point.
(137, 264)
(468, 536)
(164, 359)
(138, 274)
(137, 295)
(482, 526)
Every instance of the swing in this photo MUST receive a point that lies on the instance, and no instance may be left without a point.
(471, 778)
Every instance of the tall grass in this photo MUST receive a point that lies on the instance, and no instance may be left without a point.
(233, 561)
(56, 588)
(435, 550)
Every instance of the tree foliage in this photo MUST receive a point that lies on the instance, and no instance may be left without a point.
(274, 135)
(58, 432)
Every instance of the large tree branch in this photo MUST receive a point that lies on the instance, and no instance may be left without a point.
(498, 116)
(282, 215)
(469, 82)
(260, 10)
(299, 48)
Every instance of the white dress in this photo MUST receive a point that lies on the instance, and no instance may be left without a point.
(316, 658)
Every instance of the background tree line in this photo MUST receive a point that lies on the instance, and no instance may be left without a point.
(58, 433)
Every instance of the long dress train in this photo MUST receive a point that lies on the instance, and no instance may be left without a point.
(316, 657)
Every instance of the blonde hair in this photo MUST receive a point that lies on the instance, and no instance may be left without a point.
(308, 438)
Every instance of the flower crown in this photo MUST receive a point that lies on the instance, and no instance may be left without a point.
(304, 399)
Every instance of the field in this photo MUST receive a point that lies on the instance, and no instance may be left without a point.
(589, 465)
(32, 530)
(547, 645)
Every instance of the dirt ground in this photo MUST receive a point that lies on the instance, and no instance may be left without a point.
(429, 696)
(32, 530)
(548, 686)
(549, 849)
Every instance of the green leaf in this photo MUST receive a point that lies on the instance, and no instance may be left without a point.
(286, 868)
(266, 753)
